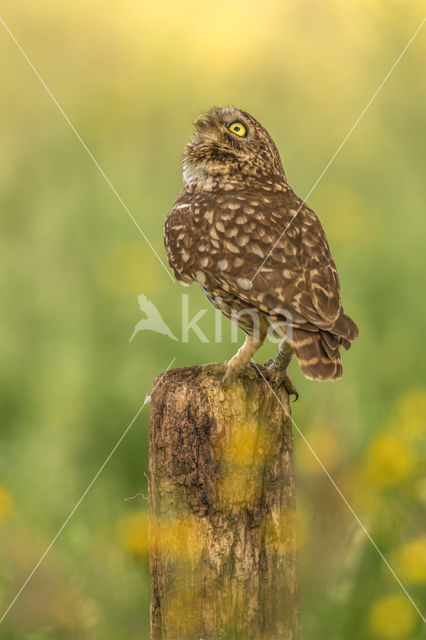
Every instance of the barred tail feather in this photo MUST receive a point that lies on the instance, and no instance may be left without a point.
(346, 328)
(318, 354)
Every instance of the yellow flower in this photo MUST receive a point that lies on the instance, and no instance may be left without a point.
(133, 531)
(393, 456)
(326, 445)
(6, 504)
(410, 561)
(390, 461)
(411, 412)
(392, 617)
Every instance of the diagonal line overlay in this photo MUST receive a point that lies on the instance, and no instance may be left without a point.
(345, 139)
(342, 496)
(86, 148)
(84, 494)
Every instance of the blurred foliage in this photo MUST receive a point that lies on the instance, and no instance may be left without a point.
(6, 504)
(131, 76)
(392, 617)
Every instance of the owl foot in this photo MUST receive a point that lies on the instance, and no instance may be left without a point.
(214, 369)
(280, 378)
(233, 373)
(230, 373)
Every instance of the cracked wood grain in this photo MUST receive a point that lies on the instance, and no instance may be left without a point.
(223, 551)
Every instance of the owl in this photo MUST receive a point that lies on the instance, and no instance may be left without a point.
(258, 252)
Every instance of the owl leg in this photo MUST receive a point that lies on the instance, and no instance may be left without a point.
(277, 369)
(238, 364)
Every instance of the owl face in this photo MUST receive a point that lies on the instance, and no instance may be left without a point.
(230, 144)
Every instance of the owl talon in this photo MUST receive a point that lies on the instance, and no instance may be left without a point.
(227, 381)
(233, 373)
(214, 369)
(252, 372)
(229, 378)
(280, 378)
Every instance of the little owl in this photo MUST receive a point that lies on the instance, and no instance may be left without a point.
(258, 251)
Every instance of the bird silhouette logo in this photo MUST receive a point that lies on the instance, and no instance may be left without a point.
(153, 320)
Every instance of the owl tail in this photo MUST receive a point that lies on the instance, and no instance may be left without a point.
(318, 354)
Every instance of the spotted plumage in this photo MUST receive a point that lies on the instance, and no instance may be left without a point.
(256, 249)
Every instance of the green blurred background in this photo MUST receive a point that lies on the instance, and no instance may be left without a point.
(131, 76)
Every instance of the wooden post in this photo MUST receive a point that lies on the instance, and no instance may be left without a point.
(222, 506)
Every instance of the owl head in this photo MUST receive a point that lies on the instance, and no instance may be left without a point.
(229, 146)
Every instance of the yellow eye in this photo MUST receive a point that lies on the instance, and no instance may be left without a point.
(238, 128)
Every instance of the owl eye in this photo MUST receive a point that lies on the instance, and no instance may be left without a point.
(238, 128)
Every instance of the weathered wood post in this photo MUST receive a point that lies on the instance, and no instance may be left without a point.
(222, 506)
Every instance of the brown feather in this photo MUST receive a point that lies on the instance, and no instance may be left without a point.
(240, 231)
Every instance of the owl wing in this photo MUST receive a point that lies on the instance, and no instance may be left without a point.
(287, 262)
(311, 284)
(223, 240)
